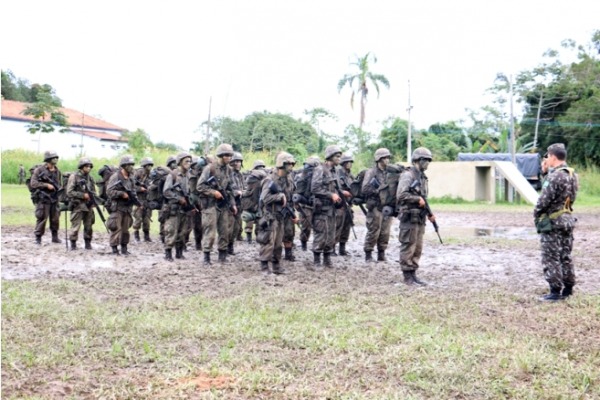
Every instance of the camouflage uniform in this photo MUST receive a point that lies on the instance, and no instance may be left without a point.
(305, 203)
(412, 219)
(175, 191)
(48, 206)
(238, 185)
(343, 224)
(250, 199)
(378, 225)
(217, 218)
(194, 223)
(120, 219)
(273, 222)
(142, 216)
(81, 211)
(559, 192)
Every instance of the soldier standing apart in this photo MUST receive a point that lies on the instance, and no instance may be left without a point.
(218, 204)
(177, 197)
(142, 215)
(21, 174)
(555, 223)
(121, 194)
(239, 184)
(325, 197)
(373, 189)
(250, 197)
(276, 206)
(46, 180)
(413, 188)
(81, 189)
(343, 223)
(304, 198)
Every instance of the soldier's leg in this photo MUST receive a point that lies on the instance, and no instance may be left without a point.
(54, 215)
(76, 220)
(89, 218)
(115, 220)
(197, 228)
(306, 226)
(384, 237)
(408, 245)
(551, 259)
(209, 229)
(41, 216)
(146, 222)
(374, 219)
(340, 218)
(568, 269)
(248, 230)
(137, 222)
(289, 231)
(224, 227)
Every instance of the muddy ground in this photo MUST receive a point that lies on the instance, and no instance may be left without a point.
(480, 250)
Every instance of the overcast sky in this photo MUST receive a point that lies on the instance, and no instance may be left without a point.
(154, 65)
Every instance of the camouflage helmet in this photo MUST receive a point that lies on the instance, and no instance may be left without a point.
(195, 161)
(146, 161)
(49, 155)
(170, 159)
(332, 150)
(346, 158)
(224, 149)
(259, 164)
(421, 152)
(312, 161)
(283, 158)
(237, 156)
(83, 162)
(182, 156)
(126, 160)
(381, 153)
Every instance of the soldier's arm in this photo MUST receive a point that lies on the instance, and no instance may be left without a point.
(168, 192)
(72, 191)
(367, 188)
(267, 197)
(203, 188)
(317, 187)
(35, 180)
(112, 190)
(549, 193)
(404, 196)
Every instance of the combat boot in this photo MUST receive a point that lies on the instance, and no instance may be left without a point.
(147, 236)
(136, 235)
(277, 270)
(55, 238)
(222, 256)
(567, 291)
(327, 260)
(73, 245)
(162, 238)
(381, 255)
(368, 256)
(554, 295)
(115, 250)
(289, 255)
(88, 244)
(409, 278)
(249, 237)
(230, 249)
(169, 254)
(417, 280)
(343, 251)
(264, 267)
(317, 259)
(38, 239)
(333, 253)
(198, 245)
(207, 258)
(124, 250)
(179, 253)
(304, 245)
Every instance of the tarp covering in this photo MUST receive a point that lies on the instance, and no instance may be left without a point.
(528, 164)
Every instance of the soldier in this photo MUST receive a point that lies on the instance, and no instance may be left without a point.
(258, 164)
(21, 174)
(46, 181)
(81, 190)
(194, 223)
(218, 204)
(237, 162)
(177, 197)
(555, 223)
(122, 197)
(276, 209)
(374, 189)
(304, 199)
(412, 191)
(142, 215)
(161, 175)
(323, 188)
(343, 223)
(171, 163)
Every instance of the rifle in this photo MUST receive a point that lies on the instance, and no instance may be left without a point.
(54, 195)
(92, 202)
(132, 195)
(346, 206)
(298, 200)
(190, 205)
(415, 187)
(224, 202)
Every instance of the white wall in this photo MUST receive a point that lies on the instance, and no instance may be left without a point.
(14, 135)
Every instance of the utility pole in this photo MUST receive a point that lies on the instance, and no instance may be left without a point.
(512, 143)
(537, 120)
(409, 136)
(207, 142)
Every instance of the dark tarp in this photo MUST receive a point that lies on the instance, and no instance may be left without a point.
(528, 164)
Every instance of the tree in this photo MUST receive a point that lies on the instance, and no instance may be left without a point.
(362, 77)
(316, 117)
(138, 142)
(46, 112)
(19, 89)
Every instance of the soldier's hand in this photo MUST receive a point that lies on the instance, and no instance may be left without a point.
(143, 189)
(218, 195)
(182, 201)
(283, 199)
(431, 218)
(50, 187)
(125, 196)
(346, 194)
(295, 220)
(335, 198)
(86, 197)
(421, 202)
(234, 210)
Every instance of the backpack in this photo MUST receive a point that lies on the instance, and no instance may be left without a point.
(34, 194)
(388, 189)
(356, 187)
(251, 195)
(105, 173)
(303, 181)
(154, 196)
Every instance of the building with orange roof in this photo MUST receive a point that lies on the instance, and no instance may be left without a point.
(87, 136)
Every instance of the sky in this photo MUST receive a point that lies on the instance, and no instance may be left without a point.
(157, 65)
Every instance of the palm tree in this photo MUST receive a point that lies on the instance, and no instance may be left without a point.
(361, 77)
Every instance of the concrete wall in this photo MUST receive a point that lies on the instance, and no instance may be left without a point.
(469, 180)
